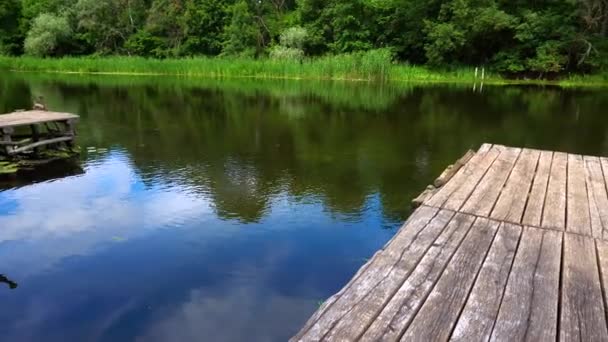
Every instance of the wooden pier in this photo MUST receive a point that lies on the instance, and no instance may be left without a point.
(513, 247)
(58, 128)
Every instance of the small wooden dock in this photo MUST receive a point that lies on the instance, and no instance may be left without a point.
(513, 247)
(46, 128)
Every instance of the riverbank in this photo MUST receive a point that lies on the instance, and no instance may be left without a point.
(369, 66)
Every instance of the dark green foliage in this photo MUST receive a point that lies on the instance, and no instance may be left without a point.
(10, 33)
(541, 38)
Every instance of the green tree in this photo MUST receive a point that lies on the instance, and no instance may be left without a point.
(242, 36)
(205, 21)
(47, 35)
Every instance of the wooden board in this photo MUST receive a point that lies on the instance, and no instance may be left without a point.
(460, 195)
(477, 319)
(598, 197)
(512, 201)
(554, 213)
(536, 200)
(482, 200)
(408, 247)
(33, 117)
(578, 220)
(583, 317)
(530, 304)
(405, 303)
(452, 289)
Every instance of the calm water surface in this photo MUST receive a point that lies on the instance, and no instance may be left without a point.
(228, 210)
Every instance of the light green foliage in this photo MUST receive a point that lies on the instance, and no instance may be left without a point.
(294, 37)
(282, 52)
(47, 35)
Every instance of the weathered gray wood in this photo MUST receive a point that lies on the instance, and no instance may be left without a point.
(530, 303)
(451, 170)
(484, 196)
(416, 221)
(438, 315)
(477, 319)
(409, 245)
(582, 313)
(554, 213)
(475, 163)
(602, 252)
(598, 197)
(534, 207)
(397, 313)
(40, 143)
(472, 178)
(512, 201)
(33, 117)
(578, 220)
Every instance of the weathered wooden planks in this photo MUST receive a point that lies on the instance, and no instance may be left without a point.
(477, 319)
(534, 207)
(33, 117)
(487, 191)
(583, 317)
(554, 213)
(451, 291)
(530, 303)
(407, 300)
(510, 248)
(512, 201)
(577, 200)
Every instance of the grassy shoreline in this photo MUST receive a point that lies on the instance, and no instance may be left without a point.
(366, 67)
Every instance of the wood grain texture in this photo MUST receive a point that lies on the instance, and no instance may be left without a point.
(409, 245)
(534, 207)
(512, 201)
(582, 314)
(602, 252)
(452, 289)
(363, 312)
(442, 195)
(460, 195)
(598, 197)
(33, 117)
(554, 213)
(530, 304)
(483, 198)
(477, 319)
(578, 220)
(398, 313)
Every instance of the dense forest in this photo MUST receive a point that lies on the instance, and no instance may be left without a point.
(517, 37)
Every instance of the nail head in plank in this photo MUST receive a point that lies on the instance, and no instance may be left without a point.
(530, 303)
(477, 319)
(582, 314)
(452, 289)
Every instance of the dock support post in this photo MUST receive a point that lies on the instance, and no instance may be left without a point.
(6, 138)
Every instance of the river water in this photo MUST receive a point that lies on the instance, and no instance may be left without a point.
(228, 210)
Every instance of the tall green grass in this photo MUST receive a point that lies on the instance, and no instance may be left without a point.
(374, 65)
